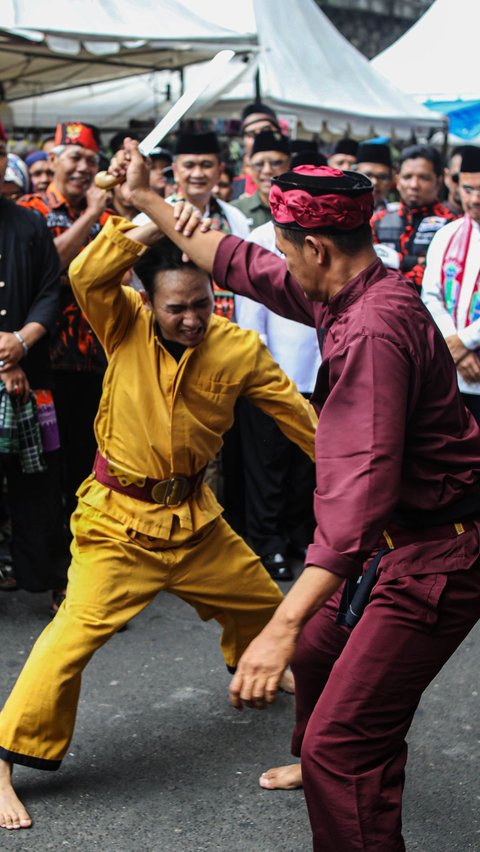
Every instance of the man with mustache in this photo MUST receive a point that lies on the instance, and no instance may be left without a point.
(397, 498)
(75, 211)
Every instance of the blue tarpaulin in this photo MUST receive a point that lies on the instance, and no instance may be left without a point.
(464, 116)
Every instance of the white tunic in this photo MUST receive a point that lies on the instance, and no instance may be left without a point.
(433, 297)
(293, 345)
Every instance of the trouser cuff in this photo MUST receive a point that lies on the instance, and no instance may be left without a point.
(27, 760)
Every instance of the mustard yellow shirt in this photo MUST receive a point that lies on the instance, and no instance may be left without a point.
(156, 416)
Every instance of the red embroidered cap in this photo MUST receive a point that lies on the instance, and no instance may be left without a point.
(316, 197)
(76, 133)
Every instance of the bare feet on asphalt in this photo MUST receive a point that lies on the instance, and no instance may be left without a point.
(282, 777)
(12, 813)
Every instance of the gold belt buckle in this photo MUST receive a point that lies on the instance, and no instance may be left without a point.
(171, 492)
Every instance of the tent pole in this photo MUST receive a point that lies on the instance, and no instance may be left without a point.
(258, 93)
(445, 140)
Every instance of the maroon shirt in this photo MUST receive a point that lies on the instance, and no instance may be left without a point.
(393, 432)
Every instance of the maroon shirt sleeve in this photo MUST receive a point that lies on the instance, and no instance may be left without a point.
(359, 451)
(249, 270)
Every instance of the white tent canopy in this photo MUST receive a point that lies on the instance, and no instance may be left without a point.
(437, 58)
(305, 67)
(49, 45)
(308, 69)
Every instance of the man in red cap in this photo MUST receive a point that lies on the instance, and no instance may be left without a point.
(74, 210)
(398, 480)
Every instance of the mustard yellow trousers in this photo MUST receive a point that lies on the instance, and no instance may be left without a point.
(114, 574)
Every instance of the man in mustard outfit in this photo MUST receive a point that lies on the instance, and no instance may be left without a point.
(145, 520)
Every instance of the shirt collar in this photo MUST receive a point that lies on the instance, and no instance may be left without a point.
(259, 205)
(56, 199)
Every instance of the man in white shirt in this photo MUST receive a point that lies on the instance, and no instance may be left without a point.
(451, 285)
(279, 482)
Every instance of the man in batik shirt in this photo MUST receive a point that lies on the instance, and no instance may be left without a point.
(74, 210)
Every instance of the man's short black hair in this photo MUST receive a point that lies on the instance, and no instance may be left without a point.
(348, 242)
(162, 256)
(425, 152)
(116, 142)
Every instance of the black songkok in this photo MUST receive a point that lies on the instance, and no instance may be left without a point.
(372, 152)
(267, 140)
(258, 107)
(297, 145)
(312, 158)
(346, 146)
(197, 143)
(470, 159)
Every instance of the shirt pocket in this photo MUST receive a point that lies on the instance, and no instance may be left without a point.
(217, 402)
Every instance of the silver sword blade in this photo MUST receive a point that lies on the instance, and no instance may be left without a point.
(211, 72)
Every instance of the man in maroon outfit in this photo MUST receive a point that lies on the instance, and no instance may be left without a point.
(398, 468)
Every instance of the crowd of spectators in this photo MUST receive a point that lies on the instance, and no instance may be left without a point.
(263, 481)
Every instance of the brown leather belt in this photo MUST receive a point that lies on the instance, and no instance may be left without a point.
(166, 492)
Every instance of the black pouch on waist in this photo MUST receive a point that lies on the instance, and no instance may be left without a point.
(356, 593)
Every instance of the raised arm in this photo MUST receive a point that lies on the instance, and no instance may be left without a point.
(243, 267)
(96, 275)
(201, 247)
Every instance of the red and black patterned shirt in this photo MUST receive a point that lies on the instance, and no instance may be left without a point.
(409, 231)
(74, 346)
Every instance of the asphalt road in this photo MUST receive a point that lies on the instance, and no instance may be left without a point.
(161, 763)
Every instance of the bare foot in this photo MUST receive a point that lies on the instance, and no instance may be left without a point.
(12, 813)
(282, 778)
(287, 683)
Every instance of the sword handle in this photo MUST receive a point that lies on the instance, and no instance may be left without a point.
(105, 181)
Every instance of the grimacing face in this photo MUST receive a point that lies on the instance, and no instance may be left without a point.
(417, 183)
(183, 304)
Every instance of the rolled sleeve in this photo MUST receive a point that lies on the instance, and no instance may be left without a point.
(330, 560)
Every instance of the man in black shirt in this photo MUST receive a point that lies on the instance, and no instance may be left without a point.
(29, 298)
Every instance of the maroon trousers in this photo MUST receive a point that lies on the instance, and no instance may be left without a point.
(357, 691)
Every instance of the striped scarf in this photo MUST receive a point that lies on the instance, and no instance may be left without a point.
(20, 431)
(453, 270)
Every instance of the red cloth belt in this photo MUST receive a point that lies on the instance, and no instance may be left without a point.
(166, 492)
